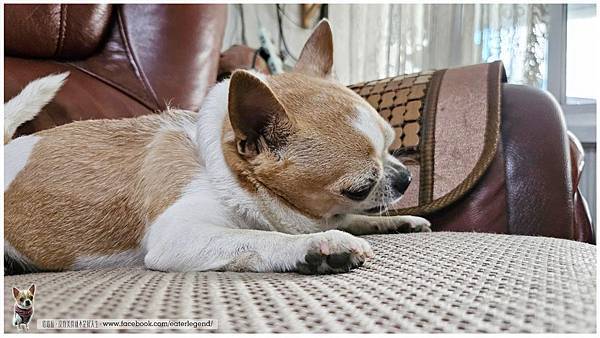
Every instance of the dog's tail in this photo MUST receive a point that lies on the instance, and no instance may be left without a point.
(30, 102)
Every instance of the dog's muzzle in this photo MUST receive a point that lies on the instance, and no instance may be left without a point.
(401, 178)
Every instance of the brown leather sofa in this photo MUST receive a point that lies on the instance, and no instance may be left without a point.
(125, 60)
(129, 60)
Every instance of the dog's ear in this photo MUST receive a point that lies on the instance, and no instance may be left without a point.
(32, 289)
(15, 292)
(316, 58)
(259, 120)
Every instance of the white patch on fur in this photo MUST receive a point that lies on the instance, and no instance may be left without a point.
(10, 251)
(389, 134)
(210, 127)
(125, 258)
(371, 125)
(259, 211)
(216, 223)
(16, 155)
(181, 232)
(365, 225)
(30, 101)
(185, 125)
(197, 234)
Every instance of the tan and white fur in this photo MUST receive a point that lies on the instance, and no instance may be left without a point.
(261, 179)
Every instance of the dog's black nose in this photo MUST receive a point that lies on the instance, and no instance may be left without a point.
(401, 179)
(27, 302)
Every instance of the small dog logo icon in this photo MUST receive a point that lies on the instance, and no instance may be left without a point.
(23, 307)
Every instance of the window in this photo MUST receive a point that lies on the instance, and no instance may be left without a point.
(581, 54)
(572, 45)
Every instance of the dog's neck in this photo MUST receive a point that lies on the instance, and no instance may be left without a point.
(234, 185)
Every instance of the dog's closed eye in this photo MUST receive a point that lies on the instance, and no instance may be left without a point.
(360, 193)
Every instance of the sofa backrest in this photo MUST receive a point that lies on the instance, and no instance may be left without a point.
(57, 31)
(125, 60)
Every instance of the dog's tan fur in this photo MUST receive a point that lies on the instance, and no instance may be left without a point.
(94, 188)
(74, 212)
(25, 294)
(148, 161)
(318, 191)
(312, 119)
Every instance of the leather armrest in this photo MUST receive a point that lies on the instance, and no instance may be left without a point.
(531, 186)
(582, 220)
(542, 173)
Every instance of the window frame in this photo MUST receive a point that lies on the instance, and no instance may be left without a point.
(580, 118)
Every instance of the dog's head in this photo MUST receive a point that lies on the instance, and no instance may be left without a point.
(24, 298)
(313, 142)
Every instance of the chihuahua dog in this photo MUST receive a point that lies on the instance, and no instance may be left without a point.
(275, 173)
(23, 307)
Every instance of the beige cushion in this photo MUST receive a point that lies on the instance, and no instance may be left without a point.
(427, 282)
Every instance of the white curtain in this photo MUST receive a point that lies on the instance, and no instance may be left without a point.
(377, 41)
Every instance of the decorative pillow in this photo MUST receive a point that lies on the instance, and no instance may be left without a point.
(447, 125)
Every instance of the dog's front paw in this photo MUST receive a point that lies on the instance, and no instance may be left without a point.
(334, 251)
(403, 224)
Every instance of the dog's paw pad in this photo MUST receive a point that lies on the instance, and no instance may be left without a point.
(343, 253)
(405, 224)
(421, 227)
(419, 224)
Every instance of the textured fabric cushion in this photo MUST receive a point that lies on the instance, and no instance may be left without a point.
(426, 282)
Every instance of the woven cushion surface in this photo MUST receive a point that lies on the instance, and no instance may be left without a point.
(424, 282)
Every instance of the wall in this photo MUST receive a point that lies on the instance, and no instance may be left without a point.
(588, 179)
(266, 15)
(295, 36)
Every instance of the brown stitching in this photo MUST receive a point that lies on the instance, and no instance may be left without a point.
(133, 60)
(492, 136)
(496, 76)
(61, 30)
(112, 84)
(428, 139)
